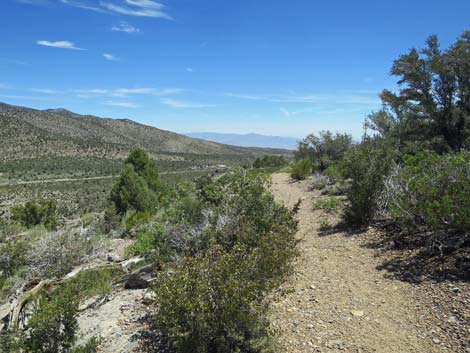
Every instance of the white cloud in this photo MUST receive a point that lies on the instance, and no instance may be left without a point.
(45, 90)
(140, 8)
(34, 2)
(122, 104)
(110, 57)
(62, 44)
(182, 104)
(150, 4)
(189, 69)
(82, 5)
(334, 98)
(126, 27)
(123, 92)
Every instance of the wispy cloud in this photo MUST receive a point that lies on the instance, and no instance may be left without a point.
(4, 86)
(122, 104)
(183, 104)
(45, 90)
(34, 2)
(245, 96)
(337, 98)
(140, 8)
(62, 44)
(189, 69)
(84, 6)
(110, 57)
(124, 92)
(8, 96)
(126, 27)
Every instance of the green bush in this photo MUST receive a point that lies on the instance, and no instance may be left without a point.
(138, 186)
(366, 165)
(53, 324)
(301, 169)
(270, 162)
(12, 257)
(214, 299)
(328, 204)
(435, 192)
(32, 214)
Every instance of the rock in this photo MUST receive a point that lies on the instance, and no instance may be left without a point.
(358, 313)
(139, 279)
(452, 320)
(148, 298)
(338, 344)
(436, 340)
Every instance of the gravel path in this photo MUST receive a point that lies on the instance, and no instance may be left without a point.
(336, 301)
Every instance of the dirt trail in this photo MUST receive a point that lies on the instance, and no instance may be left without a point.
(337, 301)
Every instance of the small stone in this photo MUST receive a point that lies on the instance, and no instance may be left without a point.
(357, 313)
(436, 340)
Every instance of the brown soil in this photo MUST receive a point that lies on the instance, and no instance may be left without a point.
(337, 300)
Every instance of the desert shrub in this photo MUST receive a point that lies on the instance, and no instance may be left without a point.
(213, 299)
(31, 214)
(324, 225)
(57, 253)
(13, 255)
(328, 204)
(111, 219)
(94, 282)
(333, 172)
(269, 162)
(209, 190)
(214, 302)
(301, 169)
(134, 219)
(434, 191)
(367, 165)
(324, 149)
(53, 324)
(190, 210)
(138, 186)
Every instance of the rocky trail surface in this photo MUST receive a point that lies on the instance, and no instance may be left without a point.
(337, 300)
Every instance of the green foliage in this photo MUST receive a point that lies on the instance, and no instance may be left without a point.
(366, 165)
(12, 257)
(134, 219)
(31, 214)
(325, 149)
(435, 192)
(213, 300)
(432, 109)
(301, 169)
(209, 190)
(94, 282)
(328, 204)
(324, 225)
(270, 162)
(53, 324)
(137, 187)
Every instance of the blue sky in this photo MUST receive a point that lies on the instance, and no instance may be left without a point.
(267, 66)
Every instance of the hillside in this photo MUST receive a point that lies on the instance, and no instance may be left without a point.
(248, 140)
(30, 133)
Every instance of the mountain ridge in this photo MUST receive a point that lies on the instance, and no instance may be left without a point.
(247, 140)
(32, 133)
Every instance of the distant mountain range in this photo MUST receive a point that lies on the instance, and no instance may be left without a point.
(247, 140)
